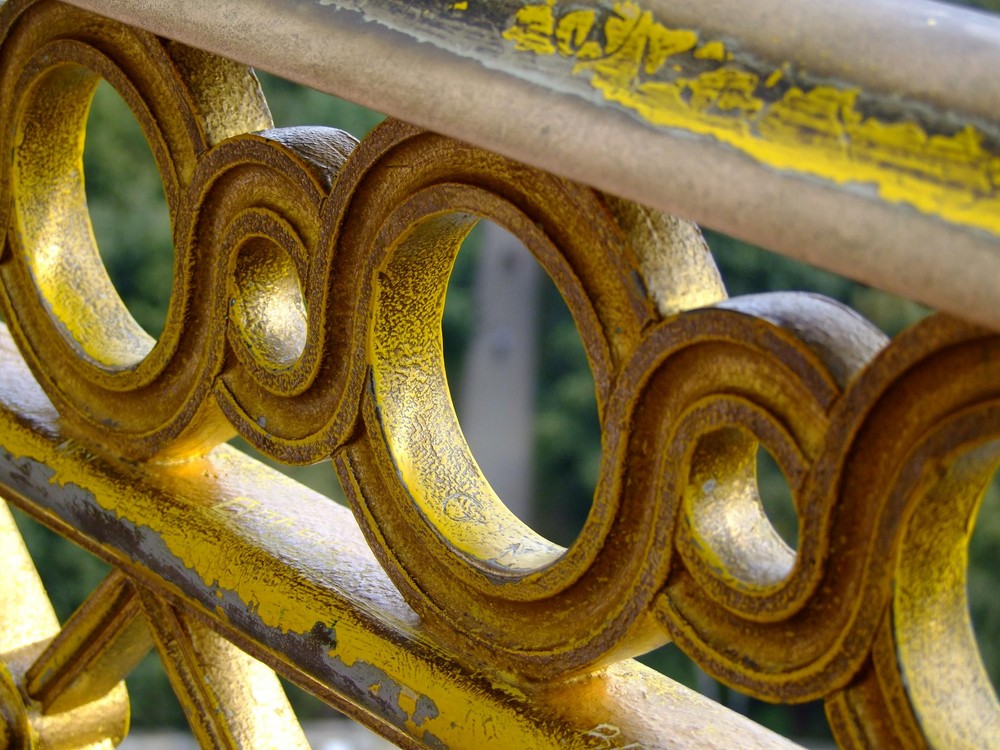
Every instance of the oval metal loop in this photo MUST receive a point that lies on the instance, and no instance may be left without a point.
(110, 380)
(257, 225)
(918, 441)
(445, 537)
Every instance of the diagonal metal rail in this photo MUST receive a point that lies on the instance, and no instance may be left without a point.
(242, 551)
(862, 137)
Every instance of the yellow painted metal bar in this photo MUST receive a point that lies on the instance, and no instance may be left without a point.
(95, 650)
(285, 574)
(859, 136)
(231, 700)
(27, 624)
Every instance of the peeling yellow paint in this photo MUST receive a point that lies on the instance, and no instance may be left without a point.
(572, 32)
(713, 51)
(820, 131)
(407, 701)
(533, 29)
(227, 559)
(450, 699)
(219, 560)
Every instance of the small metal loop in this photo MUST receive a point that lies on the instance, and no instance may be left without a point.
(765, 368)
(256, 232)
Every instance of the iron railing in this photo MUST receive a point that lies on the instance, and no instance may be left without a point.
(305, 315)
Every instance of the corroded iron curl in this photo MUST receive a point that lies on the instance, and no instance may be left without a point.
(108, 378)
(309, 282)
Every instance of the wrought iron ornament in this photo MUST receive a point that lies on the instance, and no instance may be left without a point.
(309, 281)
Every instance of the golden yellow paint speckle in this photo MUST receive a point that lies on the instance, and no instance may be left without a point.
(725, 90)
(407, 701)
(573, 30)
(713, 51)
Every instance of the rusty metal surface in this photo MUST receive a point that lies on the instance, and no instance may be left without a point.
(902, 95)
(286, 574)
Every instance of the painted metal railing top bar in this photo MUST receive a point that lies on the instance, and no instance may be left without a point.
(309, 279)
(862, 136)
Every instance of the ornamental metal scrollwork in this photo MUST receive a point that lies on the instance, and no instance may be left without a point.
(309, 281)
(107, 376)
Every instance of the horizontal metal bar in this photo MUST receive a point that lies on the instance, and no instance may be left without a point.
(860, 136)
(285, 573)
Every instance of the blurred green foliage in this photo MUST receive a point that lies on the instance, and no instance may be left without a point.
(133, 230)
(128, 209)
(991, 6)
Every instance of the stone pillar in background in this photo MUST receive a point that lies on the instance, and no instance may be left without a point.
(497, 393)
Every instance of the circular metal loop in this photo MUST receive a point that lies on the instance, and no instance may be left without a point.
(107, 377)
(444, 536)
